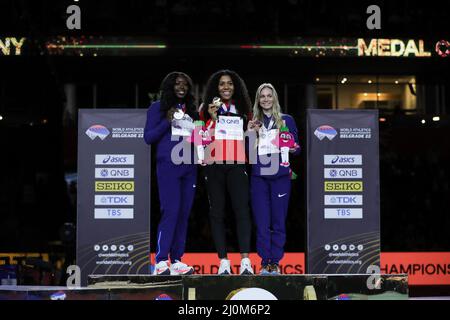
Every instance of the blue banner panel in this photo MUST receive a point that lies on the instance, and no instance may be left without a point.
(343, 214)
(113, 229)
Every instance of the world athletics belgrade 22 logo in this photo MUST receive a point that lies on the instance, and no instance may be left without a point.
(97, 131)
(325, 132)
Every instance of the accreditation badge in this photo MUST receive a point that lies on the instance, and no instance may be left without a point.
(229, 128)
(183, 127)
(265, 145)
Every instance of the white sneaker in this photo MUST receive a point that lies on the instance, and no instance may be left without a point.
(179, 268)
(246, 267)
(162, 268)
(224, 267)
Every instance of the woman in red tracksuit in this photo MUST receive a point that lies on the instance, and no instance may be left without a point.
(226, 172)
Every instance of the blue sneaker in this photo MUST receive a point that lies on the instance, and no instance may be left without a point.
(275, 269)
(265, 270)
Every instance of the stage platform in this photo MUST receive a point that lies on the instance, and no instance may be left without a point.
(213, 287)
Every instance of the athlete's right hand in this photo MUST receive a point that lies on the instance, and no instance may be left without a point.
(170, 113)
(212, 110)
(254, 125)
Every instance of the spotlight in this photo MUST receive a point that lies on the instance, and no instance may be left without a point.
(436, 119)
(423, 121)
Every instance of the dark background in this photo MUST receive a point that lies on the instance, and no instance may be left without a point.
(38, 135)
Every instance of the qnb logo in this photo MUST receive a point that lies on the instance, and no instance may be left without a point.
(335, 173)
(325, 132)
(229, 121)
(97, 131)
(108, 173)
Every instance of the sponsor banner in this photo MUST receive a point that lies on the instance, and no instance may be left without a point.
(423, 268)
(113, 186)
(229, 128)
(342, 160)
(344, 200)
(343, 186)
(113, 213)
(208, 263)
(342, 171)
(114, 173)
(343, 213)
(116, 200)
(114, 159)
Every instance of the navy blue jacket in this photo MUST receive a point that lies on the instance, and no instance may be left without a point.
(158, 132)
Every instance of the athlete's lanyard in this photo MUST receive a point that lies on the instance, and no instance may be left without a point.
(270, 124)
(226, 110)
(182, 107)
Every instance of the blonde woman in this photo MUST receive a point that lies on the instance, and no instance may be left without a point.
(270, 182)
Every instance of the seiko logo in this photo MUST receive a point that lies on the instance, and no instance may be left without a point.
(344, 186)
(114, 186)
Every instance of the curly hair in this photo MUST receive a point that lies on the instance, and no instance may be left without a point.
(241, 97)
(168, 97)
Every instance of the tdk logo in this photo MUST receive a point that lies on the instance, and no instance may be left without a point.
(114, 159)
(342, 160)
(348, 200)
(97, 131)
(117, 200)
